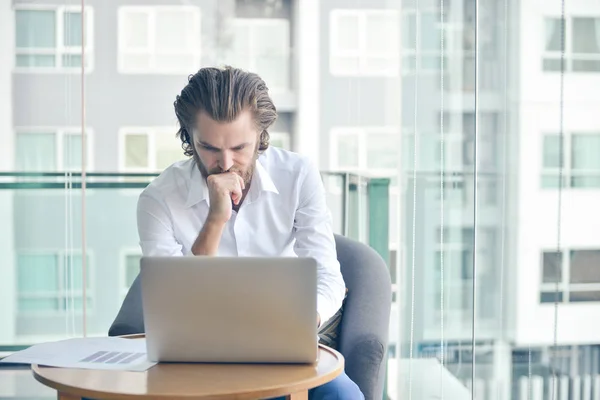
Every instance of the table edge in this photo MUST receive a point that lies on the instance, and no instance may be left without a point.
(266, 393)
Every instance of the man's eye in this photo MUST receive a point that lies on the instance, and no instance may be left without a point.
(239, 148)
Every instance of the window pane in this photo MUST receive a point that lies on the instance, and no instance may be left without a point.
(383, 150)
(75, 303)
(551, 267)
(552, 40)
(168, 150)
(585, 266)
(271, 39)
(586, 65)
(35, 29)
(72, 159)
(35, 60)
(551, 156)
(347, 36)
(74, 272)
(585, 181)
(575, 297)
(585, 149)
(71, 60)
(132, 268)
(551, 297)
(382, 35)
(409, 31)
(136, 151)
(72, 29)
(586, 35)
(37, 273)
(553, 64)
(347, 151)
(38, 305)
(430, 33)
(135, 30)
(174, 31)
(36, 152)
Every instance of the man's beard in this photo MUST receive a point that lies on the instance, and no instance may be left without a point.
(246, 175)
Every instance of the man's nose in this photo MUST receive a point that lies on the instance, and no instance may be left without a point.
(226, 161)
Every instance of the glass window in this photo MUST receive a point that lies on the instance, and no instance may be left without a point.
(585, 163)
(551, 267)
(163, 39)
(585, 266)
(551, 297)
(553, 39)
(35, 29)
(136, 150)
(347, 36)
(383, 150)
(551, 151)
(575, 297)
(586, 36)
(72, 160)
(35, 152)
(50, 38)
(280, 139)
(348, 148)
(73, 265)
(37, 273)
(72, 29)
(168, 149)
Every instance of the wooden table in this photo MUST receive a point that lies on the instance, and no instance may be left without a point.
(195, 381)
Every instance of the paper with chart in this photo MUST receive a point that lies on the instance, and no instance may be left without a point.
(107, 353)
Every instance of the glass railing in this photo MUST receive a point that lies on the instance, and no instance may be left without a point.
(42, 287)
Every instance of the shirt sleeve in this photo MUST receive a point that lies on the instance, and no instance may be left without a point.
(314, 238)
(155, 227)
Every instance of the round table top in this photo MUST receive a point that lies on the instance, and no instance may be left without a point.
(195, 381)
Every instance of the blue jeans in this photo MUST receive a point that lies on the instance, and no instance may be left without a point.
(341, 388)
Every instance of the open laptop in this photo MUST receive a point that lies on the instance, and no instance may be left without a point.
(230, 309)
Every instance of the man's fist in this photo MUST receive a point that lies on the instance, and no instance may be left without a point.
(224, 189)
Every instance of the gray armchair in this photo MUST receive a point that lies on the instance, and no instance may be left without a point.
(364, 328)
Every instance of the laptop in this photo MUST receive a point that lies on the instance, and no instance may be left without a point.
(230, 309)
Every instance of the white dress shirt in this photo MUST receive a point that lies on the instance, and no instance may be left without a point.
(284, 214)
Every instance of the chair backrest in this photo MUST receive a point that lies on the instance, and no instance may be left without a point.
(365, 323)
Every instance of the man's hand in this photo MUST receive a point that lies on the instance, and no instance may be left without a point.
(223, 189)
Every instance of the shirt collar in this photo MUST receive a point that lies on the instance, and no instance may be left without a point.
(198, 190)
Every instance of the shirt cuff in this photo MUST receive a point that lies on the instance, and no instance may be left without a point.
(325, 308)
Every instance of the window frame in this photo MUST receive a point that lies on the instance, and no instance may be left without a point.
(60, 133)
(60, 50)
(361, 54)
(61, 293)
(565, 287)
(150, 132)
(251, 24)
(570, 56)
(567, 157)
(150, 51)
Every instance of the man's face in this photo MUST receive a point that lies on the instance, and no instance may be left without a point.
(226, 146)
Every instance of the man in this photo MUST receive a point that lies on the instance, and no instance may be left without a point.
(238, 197)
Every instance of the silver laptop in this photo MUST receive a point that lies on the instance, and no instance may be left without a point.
(230, 309)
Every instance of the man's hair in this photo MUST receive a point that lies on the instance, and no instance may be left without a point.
(223, 93)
